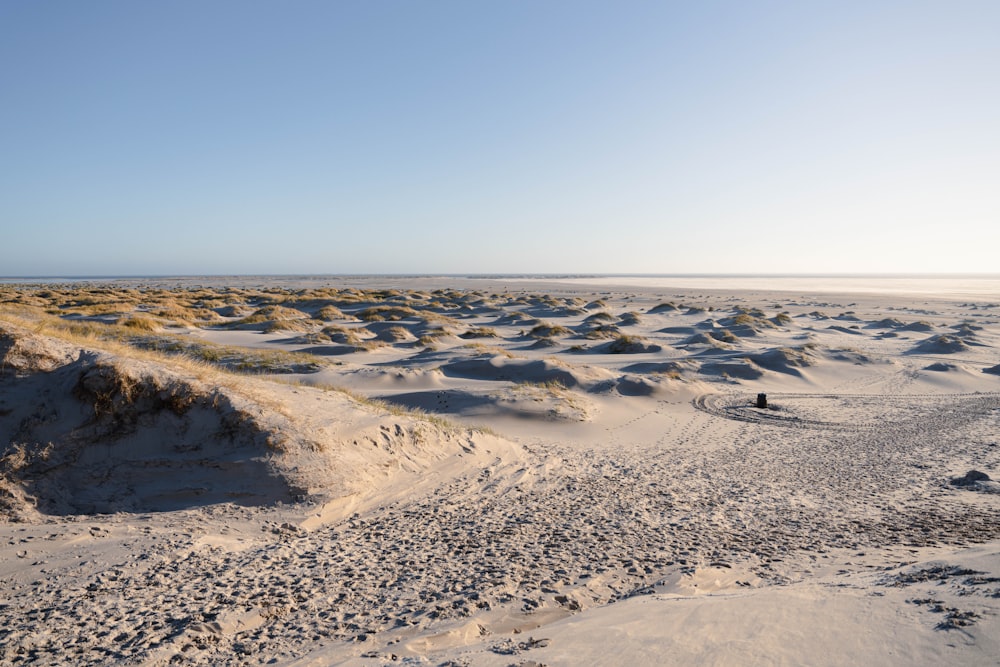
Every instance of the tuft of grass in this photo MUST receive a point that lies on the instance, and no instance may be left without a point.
(554, 385)
(603, 331)
(430, 338)
(629, 318)
(480, 332)
(274, 326)
(546, 330)
(331, 313)
(343, 335)
(141, 323)
(491, 350)
(626, 344)
(395, 334)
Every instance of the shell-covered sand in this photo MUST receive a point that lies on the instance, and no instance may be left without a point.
(458, 472)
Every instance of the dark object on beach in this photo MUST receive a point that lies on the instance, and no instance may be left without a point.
(762, 401)
(970, 478)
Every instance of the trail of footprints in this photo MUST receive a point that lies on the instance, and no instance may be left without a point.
(597, 527)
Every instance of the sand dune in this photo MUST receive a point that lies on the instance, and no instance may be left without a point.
(371, 474)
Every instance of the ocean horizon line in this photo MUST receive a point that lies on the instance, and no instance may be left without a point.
(503, 276)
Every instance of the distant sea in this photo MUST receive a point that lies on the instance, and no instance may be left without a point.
(981, 285)
(939, 285)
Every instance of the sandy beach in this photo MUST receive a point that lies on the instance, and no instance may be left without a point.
(472, 471)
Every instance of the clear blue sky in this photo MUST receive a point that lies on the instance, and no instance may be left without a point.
(432, 136)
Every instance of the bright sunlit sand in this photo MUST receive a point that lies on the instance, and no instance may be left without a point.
(540, 473)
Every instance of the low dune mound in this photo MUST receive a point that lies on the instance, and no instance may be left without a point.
(673, 369)
(601, 331)
(544, 402)
(629, 319)
(746, 325)
(516, 318)
(677, 331)
(542, 343)
(387, 313)
(941, 344)
(234, 310)
(920, 326)
(275, 318)
(846, 330)
(886, 323)
(479, 332)
(346, 336)
(700, 338)
(394, 377)
(599, 317)
(666, 307)
(646, 385)
(724, 336)
(625, 344)
(330, 313)
(942, 367)
(785, 359)
(501, 368)
(741, 369)
(297, 325)
(92, 431)
(546, 330)
(967, 331)
(708, 340)
(431, 336)
(854, 357)
(394, 334)
(781, 320)
(276, 312)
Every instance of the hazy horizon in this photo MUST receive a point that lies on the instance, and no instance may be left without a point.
(514, 274)
(974, 286)
(248, 138)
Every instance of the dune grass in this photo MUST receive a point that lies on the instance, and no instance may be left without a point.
(140, 323)
(121, 338)
(546, 330)
(480, 332)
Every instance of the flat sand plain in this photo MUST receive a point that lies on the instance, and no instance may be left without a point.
(497, 472)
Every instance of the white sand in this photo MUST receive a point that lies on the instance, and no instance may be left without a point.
(625, 508)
